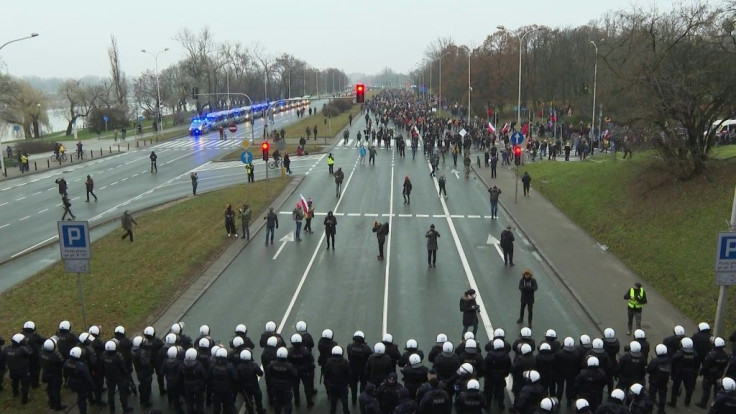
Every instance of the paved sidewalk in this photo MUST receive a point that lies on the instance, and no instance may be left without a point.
(596, 278)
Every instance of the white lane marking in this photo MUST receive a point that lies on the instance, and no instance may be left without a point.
(536, 256)
(473, 216)
(405, 215)
(37, 193)
(317, 249)
(354, 214)
(4, 225)
(24, 218)
(423, 215)
(498, 249)
(388, 248)
(370, 215)
(34, 246)
(43, 211)
(3, 204)
(22, 198)
(456, 215)
(102, 188)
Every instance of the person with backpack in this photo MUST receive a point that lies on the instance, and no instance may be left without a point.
(298, 216)
(381, 231)
(507, 245)
(272, 222)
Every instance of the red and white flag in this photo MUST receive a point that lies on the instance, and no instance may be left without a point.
(491, 128)
(525, 129)
(505, 128)
(303, 202)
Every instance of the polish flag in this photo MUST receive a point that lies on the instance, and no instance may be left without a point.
(505, 129)
(525, 129)
(491, 128)
(303, 203)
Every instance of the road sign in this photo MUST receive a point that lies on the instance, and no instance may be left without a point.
(140, 118)
(516, 138)
(74, 240)
(105, 118)
(726, 259)
(246, 157)
(245, 144)
(16, 128)
(232, 128)
(77, 266)
(463, 132)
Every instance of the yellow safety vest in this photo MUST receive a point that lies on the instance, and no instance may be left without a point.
(330, 160)
(633, 302)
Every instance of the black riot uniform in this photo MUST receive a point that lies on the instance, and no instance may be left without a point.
(413, 377)
(17, 358)
(589, 385)
(282, 376)
(194, 380)
(659, 370)
(567, 368)
(436, 399)
(223, 378)
(337, 380)
(358, 352)
(267, 356)
(35, 342)
(685, 367)
(631, 369)
(51, 365)
(497, 366)
(116, 376)
(301, 357)
(79, 380)
(378, 367)
(470, 402)
(144, 361)
(171, 370)
(713, 368)
(248, 374)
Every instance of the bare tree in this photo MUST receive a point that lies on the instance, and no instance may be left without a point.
(267, 62)
(80, 100)
(119, 84)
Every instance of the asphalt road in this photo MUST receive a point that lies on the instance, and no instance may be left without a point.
(31, 205)
(349, 289)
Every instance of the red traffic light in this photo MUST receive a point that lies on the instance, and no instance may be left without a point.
(264, 146)
(359, 93)
(360, 88)
(517, 150)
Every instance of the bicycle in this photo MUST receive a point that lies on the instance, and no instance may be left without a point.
(60, 157)
(274, 164)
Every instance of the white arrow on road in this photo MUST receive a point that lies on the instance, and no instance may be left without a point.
(496, 243)
(288, 238)
(456, 172)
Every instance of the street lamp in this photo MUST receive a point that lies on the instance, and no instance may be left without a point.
(2, 156)
(521, 41)
(595, 84)
(440, 76)
(470, 88)
(159, 118)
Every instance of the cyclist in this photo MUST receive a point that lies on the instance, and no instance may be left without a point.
(276, 157)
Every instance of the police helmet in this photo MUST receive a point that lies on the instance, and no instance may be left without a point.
(498, 344)
(214, 349)
(639, 334)
(241, 329)
(525, 349)
(679, 330)
(609, 333)
(204, 343)
(245, 355)
(49, 344)
(238, 342)
(466, 368)
(379, 349)
(532, 375)
(221, 353)
(545, 347)
(686, 343)
(120, 329)
(177, 328)
(636, 389)
(359, 334)
(634, 346)
(728, 384)
(172, 352)
(718, 342)
(327, 333)
(473, 385)
(412, 344)
(548, 404)
(270, 326)
(296, 339)
(111, 346)
(94, 330)
(414, 359)
(149, 331)
(661, 349)
(75, 352)
(468, 335)
(190, 355)
(388, 338)
(703, 326)
(29, 326)
(447, 347)
(65, 325)
(282, 353)
(550, 333)
(301, 326)
(137, 341)
(441, 338)
(593, 362)
(204, 330)
(581, 404)
(272, 341)
(568, 342)
(470, 344)
(526, 332)
(83, 337)
(597, 343)
(584, 340)
(170, 339)
(618, 394)
(499, 333)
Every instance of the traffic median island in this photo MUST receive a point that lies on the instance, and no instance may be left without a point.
(131, 283)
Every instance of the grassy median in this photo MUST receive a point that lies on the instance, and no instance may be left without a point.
(664, 229)
(130, 283)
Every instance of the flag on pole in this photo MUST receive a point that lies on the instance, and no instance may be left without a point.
(491, 128)
(505, 129)
(303, 203)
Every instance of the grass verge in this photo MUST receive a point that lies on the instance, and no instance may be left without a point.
(664, 229)
(130, 283)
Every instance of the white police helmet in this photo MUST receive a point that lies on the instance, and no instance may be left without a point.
(532, 376)
(388, 338)
(65, 325)
(618, 394)
(470, 344)
(379, 349)
(609, 333)
(545, 347)
(466, 368)
(214, 349)
(245, 355)
(499, 333)
(447, 347)
(120, 329)
(282, 353)
(204, 330)
(204, 343)
(177, 328)
(301, 326)
(639, 334)
(241, 329)
(272, 341)
(359, 334)
(296, 339)
(327, 333)
(172, 352)
(94, 330)
(270, 326)
(170, 339)
(597, 343)
(568, 342)
(686, 343)
(190, 355)
(525, 349)
(137, 341)
(718, 342)
(473, 385)
(585, 339)
(468, 335)
(498, 344)
(581, 404)
(49, 344)
(679, 330)
(526, 332)
(238, 342)
(149, 331)
(634, 346)
(548, 404)
(336, 350)
(636, 388)
(441, 338)
(111, 346)
(660, 349)
(221, 353)
(703, 326)
(414, 359)
(550, 333)
(728, 384)
(75, 352)
(593, 362)
(30, 325)
(83, 337)
(412, 344)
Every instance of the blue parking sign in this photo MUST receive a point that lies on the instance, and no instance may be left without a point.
(74, 240)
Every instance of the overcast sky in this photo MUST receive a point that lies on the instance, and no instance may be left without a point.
(355, 36)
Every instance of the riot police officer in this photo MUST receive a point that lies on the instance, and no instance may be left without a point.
(116, 376)
(337, 379)
(497, 366)
(143, 361)
(223, 378)
(659, 370)
(358, 353)
(51, 364)
(685, 366)
(248, 375)
(302, 359)
(590, 382)
(79, 378)
(471, 400)
(414, 374)
(713, 368)
(632, 367)
(567, 368)
(17, 357)
(282, 376)
(35, 342)
(193, 377)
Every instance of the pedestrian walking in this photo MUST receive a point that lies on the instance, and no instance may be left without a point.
(339, 176)
(527, 286)
(67, 204)
(153, 157)
(432, 236)
(308, 216)
(90, 186)
(230, 221)
(470, 310)
(250, 172)
(127, 222)
(381, 231)
(272, 222)
(330, 163)
(406, 192)
(526, 181)
(298, 215)
(194, 177)
(507, 245)
(16, 357)
(372, 154)
(442, 181)
(636, 297)
(345, 136)
(61, 182)
(287, 162)
(245, 214)
(494, 192)
(361, 152)
(434, 160)
(330, 229)
(466, 165)
(494, 164)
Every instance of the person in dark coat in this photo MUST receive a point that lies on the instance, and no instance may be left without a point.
(17, 358)
(507, 245)
(330, 229)
(368, 401)
(249, 374)
(527, 286)
(432, 236)
(52, 363)
(406, 192)
(470, 310)
(496, 366)
(381, 231)
(337, 378)
(526, 181)
(78, 378)
(358, 353)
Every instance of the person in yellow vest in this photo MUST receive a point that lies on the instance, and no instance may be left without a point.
(330, 162)
(636, 298)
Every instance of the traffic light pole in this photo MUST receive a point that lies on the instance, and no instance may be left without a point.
(516, 194)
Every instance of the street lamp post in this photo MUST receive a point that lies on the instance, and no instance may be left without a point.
(470, 88)
(159, 118)
(595, 84)
(2, 156)
(521, 42)
(439, 103)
